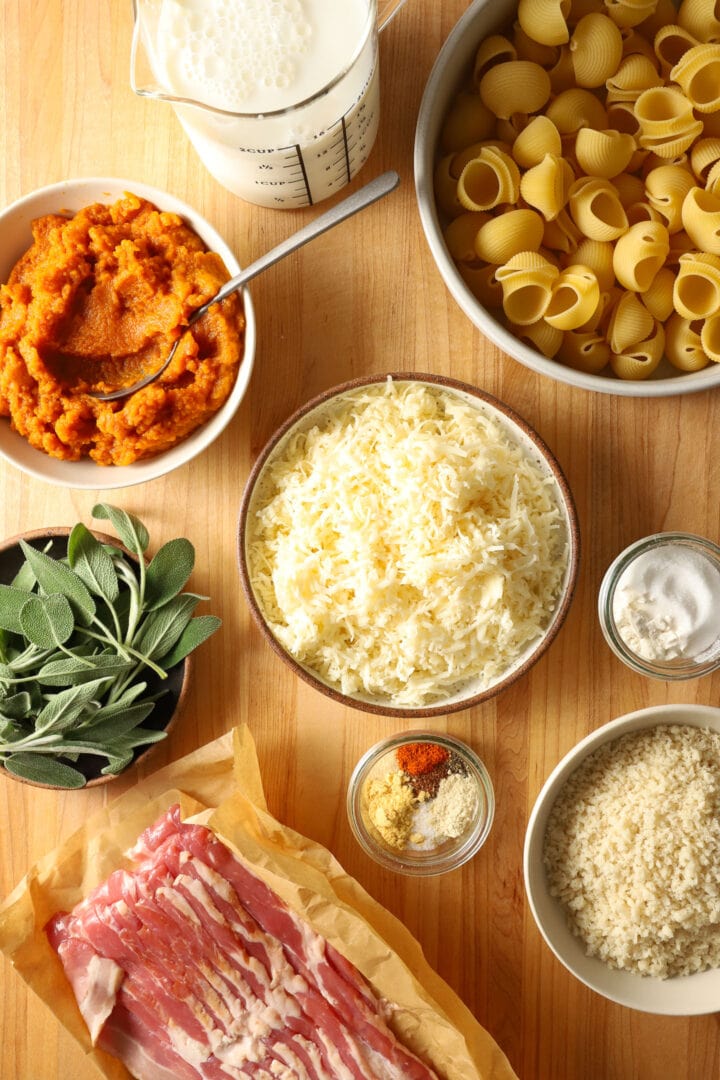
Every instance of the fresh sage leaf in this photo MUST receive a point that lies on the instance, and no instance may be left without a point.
(65, 708)
(197, 630)
(111, 726)
(55, 577)
(71, 671)
(11, 602)
(92, 564)
(42, 770)
(168, 572)
(47, 621)
(130, 529)
(24, 579)
(7, 672)
(16, 706)
(161, 629)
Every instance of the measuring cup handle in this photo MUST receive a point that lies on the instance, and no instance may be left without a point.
(387, 12)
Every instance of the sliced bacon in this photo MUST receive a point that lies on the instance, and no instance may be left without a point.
(188, 967)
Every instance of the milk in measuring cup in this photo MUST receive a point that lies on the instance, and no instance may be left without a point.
(284, 95)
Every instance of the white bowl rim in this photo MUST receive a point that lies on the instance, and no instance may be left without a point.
(98, 477)
(689, 995)
(524, 431)
(432, 108)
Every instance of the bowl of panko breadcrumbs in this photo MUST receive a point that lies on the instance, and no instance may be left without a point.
(420, 803)
(622, 860)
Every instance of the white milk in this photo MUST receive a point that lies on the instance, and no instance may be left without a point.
(304, 73)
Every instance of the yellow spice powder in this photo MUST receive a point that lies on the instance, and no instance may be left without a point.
(391, 804)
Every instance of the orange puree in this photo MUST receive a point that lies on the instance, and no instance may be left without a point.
(95, 303)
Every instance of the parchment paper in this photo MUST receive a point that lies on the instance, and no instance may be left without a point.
(220, 785)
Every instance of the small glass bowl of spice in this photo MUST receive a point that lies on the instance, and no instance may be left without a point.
(420, 803)
(659, 606)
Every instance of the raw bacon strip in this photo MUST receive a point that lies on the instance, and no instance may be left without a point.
(189, 967)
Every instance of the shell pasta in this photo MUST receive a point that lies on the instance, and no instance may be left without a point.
(579, 181)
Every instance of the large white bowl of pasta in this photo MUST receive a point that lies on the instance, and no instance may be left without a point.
(567, 167)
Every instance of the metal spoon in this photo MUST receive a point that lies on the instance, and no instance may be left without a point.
(365, 196)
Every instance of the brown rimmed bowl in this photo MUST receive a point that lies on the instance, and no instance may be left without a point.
(475, 691)
(174, 688)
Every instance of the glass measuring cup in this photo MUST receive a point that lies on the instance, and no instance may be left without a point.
(289, 156)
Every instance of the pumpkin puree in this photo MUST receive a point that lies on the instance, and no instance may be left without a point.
(96, 303)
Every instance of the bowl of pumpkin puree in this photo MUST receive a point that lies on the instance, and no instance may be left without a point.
(97, 279)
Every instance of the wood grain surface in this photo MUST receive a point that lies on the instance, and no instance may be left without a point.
(365, 298)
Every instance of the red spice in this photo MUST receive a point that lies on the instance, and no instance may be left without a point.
(418, 758)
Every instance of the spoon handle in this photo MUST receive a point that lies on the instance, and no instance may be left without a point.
(365, 196)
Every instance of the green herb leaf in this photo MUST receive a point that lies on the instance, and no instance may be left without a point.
(43, 770)
(25, 578)
(6, 672)
(65, 708)
(196, 631)
(47, 621)
(168, 572)
(71, 671)
(55, 577)
(17, 706)
(130, 529)
(114, 725)
(161, 629)
(92, 564)
(11, 602)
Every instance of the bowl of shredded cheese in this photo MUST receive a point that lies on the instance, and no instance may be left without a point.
(420, 803)
(408, 544)
(622, 860)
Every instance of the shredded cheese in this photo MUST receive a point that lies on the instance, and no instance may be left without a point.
(406, 545)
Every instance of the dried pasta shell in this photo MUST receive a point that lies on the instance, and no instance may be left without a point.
(670, 45)
(710, 339)
(703, 155)
(496, 49)
(508, 234)
(643, 360)
(561, 234)
(527, 49)
(701, 18)
(635, 74)
(515, 86)
(543, 337)
(460, 235)
(488, 180)
(461, 158)
(625, 13)
(467, 121)
(635, 43)
(603, 153)
(658, 297)
(696, 294)
(445, 187)
(547, 186)
(598, 255)
(562, 72)
(596, 47)
(575, 109)
(639, 254)
(596, 209)
(712, 184)
(621, 116)
(680, 244)
(683, 345)
(698, 73)
(630, 323)
(526, 281)
(667, 123)
(666, 187)
(545, 20)
(630, 188)
(507, 131)
(482, 283)
(539, 138)
(584, 351)
(575, 298)
(580, 8)
(701, 219)
(640, 212)
(664, 14)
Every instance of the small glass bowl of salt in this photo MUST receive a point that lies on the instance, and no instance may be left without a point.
(420, 803)
(659, 606)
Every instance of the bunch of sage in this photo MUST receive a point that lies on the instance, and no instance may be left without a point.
(78, 636)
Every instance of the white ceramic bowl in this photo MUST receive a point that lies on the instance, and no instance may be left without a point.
(475, 690)
(680, 996)
(67, 198)
(484, 17)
